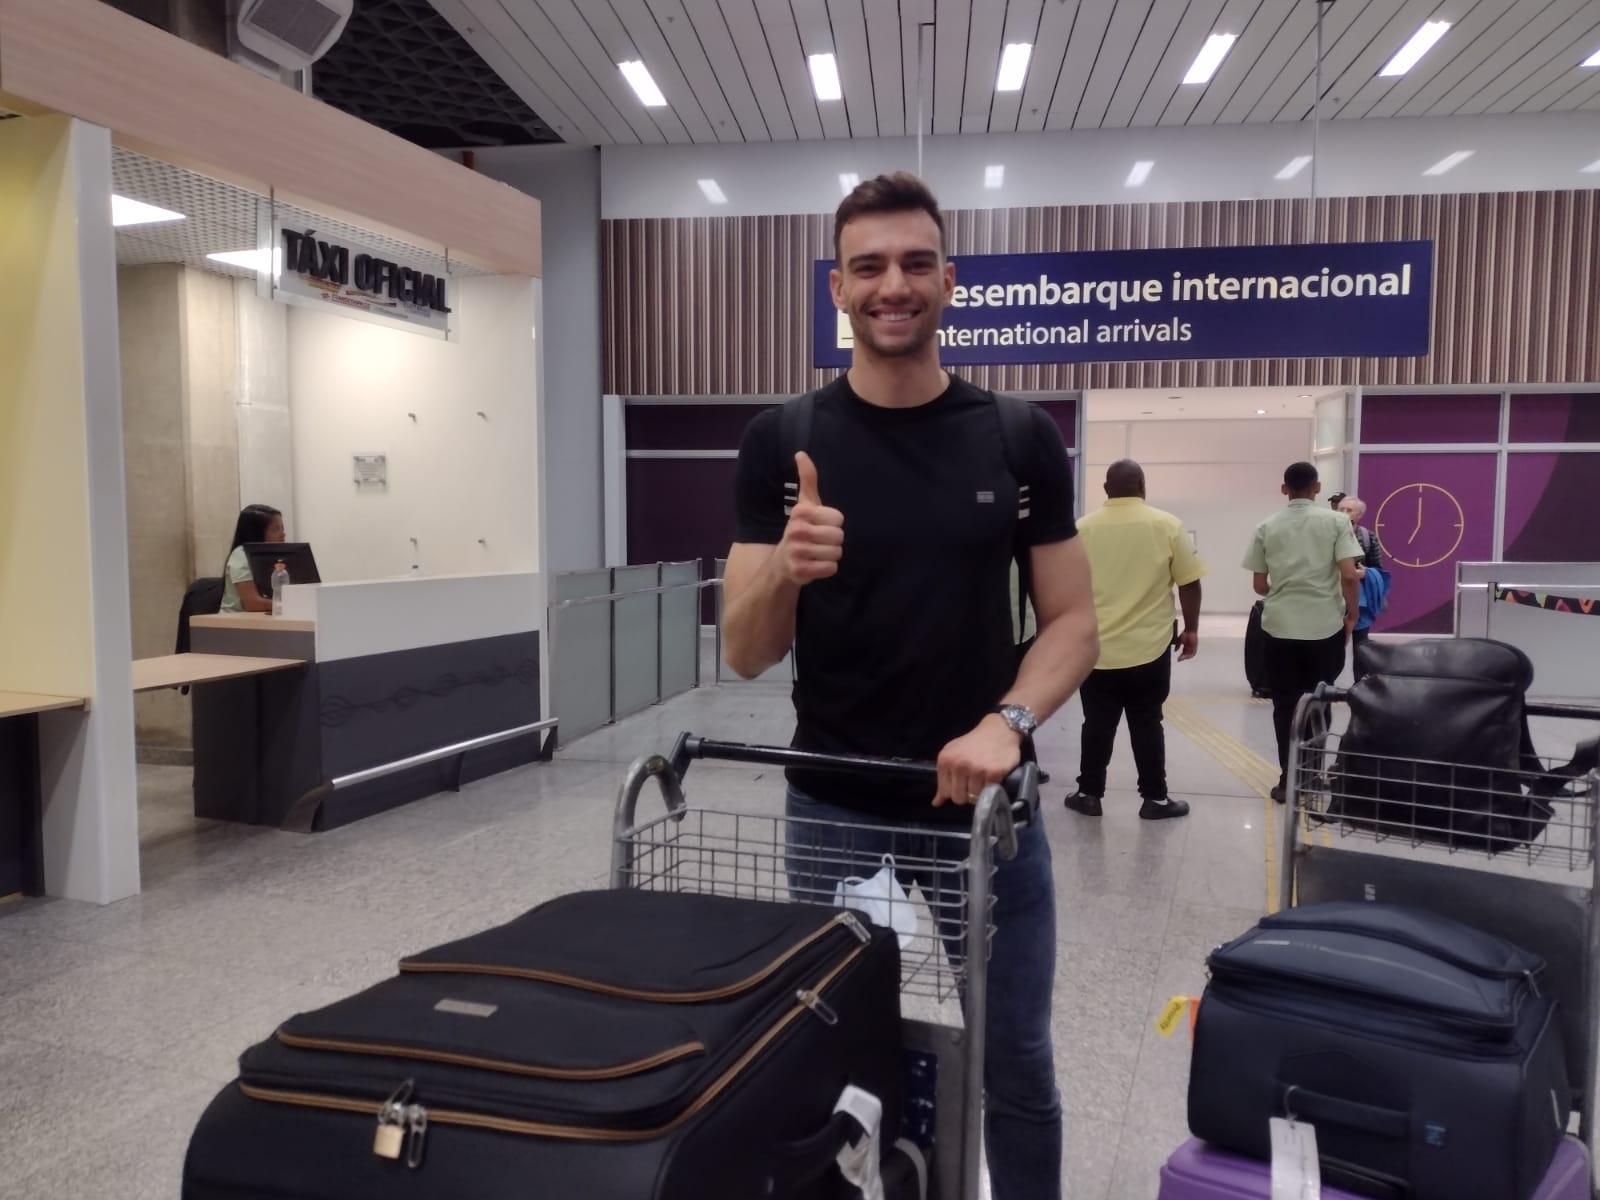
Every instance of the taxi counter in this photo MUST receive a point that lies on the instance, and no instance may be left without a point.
(405, 688)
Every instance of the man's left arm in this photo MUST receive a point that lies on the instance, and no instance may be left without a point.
(1063, 654)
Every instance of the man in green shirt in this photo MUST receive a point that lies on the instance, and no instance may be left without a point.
(1304, 559)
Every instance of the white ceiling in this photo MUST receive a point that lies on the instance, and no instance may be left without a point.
(735, 70)
(1199, 404)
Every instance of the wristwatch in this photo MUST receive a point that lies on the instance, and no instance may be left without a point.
(1019, 717)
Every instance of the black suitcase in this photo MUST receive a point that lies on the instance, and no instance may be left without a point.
(614, 1045)
(1255, 652)
(1425, 1053)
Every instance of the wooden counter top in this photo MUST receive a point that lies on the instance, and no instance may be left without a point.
(251, 621)
(20, 704)
(176, 670)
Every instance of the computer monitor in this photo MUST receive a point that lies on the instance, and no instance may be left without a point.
(296, 558)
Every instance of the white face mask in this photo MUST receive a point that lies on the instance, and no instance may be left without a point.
(881, 900)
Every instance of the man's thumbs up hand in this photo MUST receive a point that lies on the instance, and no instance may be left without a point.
(813, 540)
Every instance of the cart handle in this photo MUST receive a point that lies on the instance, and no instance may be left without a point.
(1021, 786)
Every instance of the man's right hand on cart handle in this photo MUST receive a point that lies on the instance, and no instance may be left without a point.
(813, 540)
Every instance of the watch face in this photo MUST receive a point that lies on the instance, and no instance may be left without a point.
(1419, 525)
(1019, 718)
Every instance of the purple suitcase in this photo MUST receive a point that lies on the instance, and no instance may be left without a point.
(1197, 1172)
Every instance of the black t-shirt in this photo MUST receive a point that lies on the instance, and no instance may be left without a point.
(911, 643)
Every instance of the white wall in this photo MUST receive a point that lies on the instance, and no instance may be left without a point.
(566, 181)
(1220, 477)
(1224, 162)
(454, 476)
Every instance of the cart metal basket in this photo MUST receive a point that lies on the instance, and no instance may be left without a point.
(942, 909)
(1533, 882)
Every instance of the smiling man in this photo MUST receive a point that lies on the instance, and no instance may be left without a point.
(876, 535)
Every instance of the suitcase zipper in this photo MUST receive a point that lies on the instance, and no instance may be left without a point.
(1393, 937)
(844, 920)
(409, 1122)
(1301, 981)
(583, 1074)
(1250, 1002)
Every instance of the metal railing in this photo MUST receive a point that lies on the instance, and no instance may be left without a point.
(1562, 644)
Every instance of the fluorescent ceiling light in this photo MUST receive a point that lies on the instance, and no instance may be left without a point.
(251, 260)
(994, 175)
(825, 77)
(643, 85)
(1210, 57)
(136, 212)
(1593, 60)
(848, 182)
(712, 191)
(1421, 42)
(1013, 66)
(1141, 172)
(1261, 412)
(1592, 169)
(1448, 162)
(1294, 166)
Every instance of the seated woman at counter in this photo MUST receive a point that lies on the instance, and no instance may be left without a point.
(257, 523)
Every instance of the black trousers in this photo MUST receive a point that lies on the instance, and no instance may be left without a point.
(1294, 668)
(1139, 692)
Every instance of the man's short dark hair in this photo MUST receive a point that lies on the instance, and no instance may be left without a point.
(1297, 477)
(899, 192)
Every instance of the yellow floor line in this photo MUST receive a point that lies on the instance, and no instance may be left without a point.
(1246, 765)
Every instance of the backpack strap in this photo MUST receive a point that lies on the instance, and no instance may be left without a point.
(1021, 449)
(794, 435)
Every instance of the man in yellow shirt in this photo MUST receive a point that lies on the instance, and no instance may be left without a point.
(1136, 555)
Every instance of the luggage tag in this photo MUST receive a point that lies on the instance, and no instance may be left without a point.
(1296, 1173)
(861, 1164)
(881, 900)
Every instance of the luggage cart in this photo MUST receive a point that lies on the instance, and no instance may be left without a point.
(756, 854)
(1343, 842)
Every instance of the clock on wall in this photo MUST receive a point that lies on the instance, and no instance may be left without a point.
(1419, 525)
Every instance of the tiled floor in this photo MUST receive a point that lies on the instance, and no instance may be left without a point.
(118, 1023)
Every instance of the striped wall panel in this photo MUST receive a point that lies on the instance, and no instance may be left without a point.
(719, 305)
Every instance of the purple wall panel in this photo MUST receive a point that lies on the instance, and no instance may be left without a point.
(1544, 492)
(680, 509)
(687, 426)
(1430, 511)
(1430, 419)
(1555, 417)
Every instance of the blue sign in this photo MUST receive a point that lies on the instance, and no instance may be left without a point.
(1339, 300)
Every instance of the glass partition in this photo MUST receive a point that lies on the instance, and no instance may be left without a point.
(636, 640)
(680, 628)
(580, 650)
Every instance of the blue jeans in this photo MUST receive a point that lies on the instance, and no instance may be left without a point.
(1022, 1106)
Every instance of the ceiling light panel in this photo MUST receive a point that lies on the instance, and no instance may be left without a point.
(1294, 166)
(1210, 58)
(1140, 172)
(1419, 44)
(848, 182)
(1013, 67)
(712, 192)
(825, 77)
(126, 211)
(643, 84)
(994, 175)
(1593, 60)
